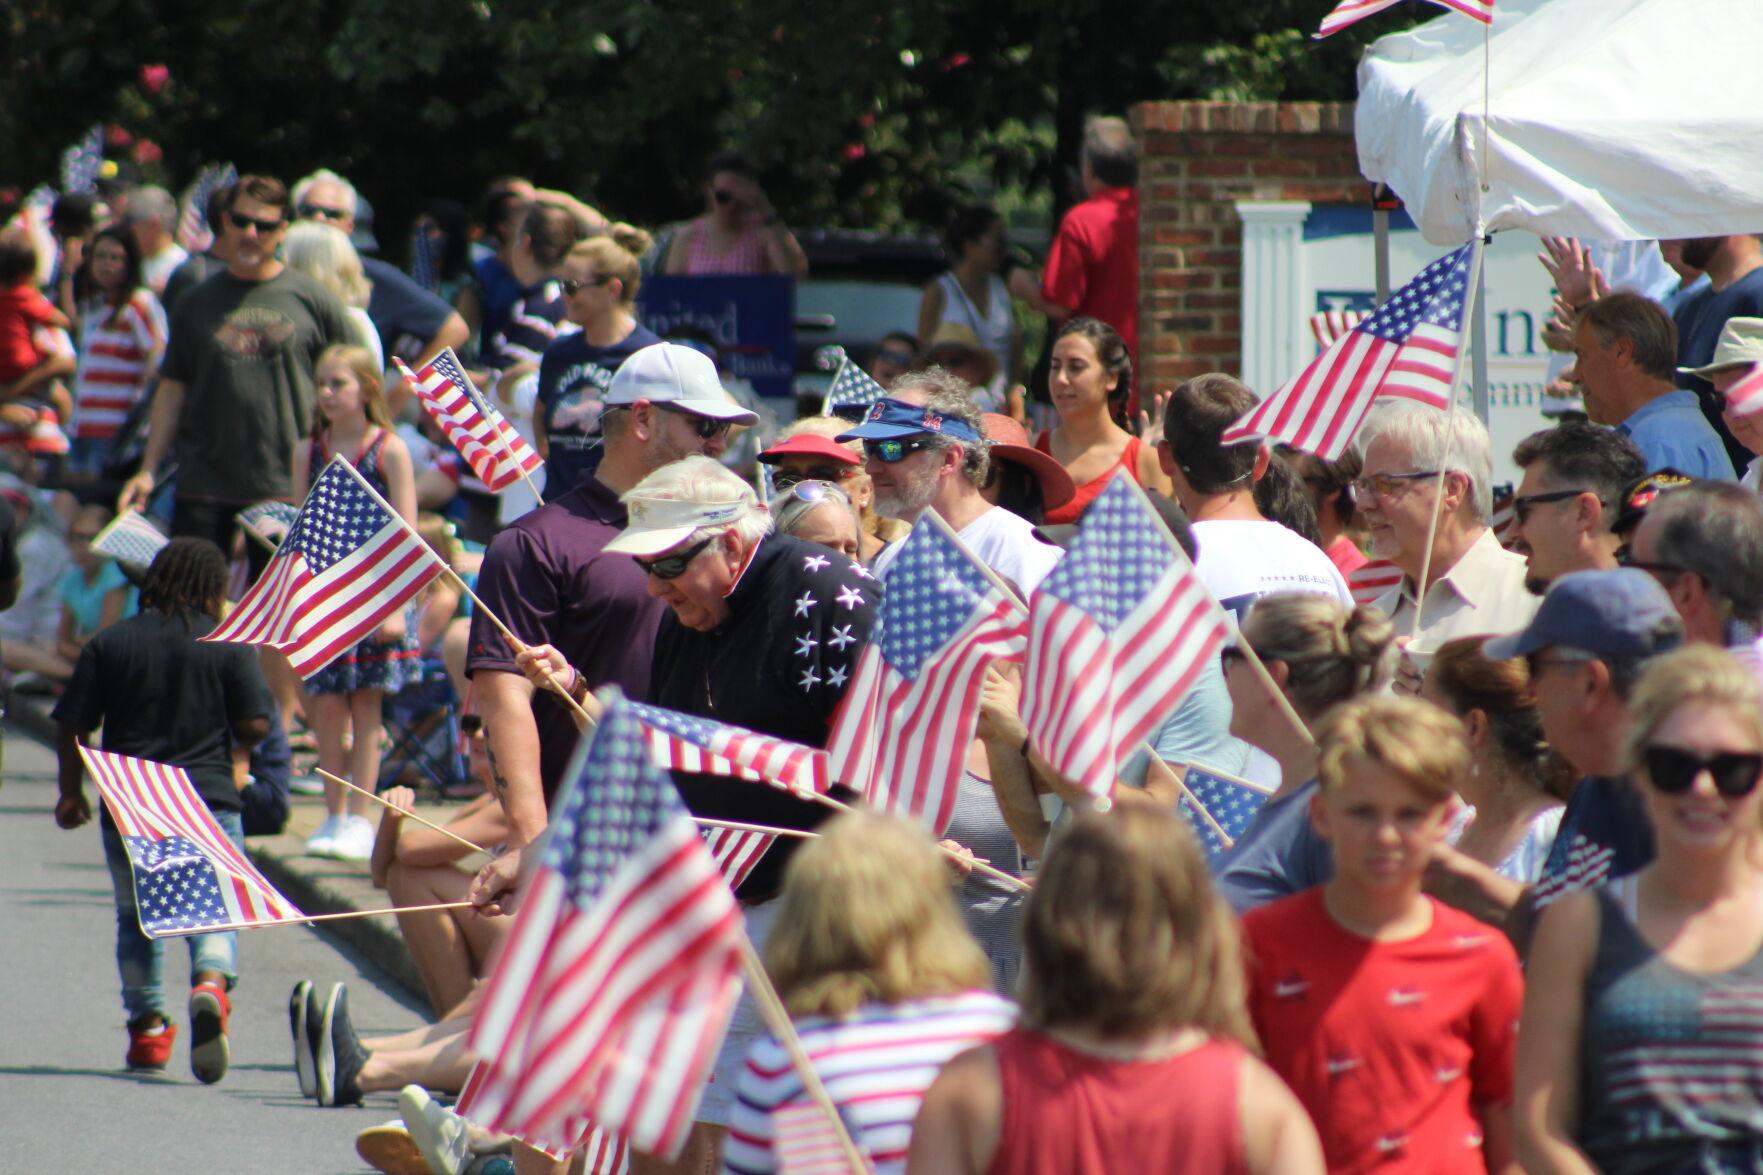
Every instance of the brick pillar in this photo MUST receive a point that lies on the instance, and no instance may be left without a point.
(1196, 160)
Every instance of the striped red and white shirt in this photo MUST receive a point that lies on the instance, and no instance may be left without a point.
(875, 1064)
(116, 348)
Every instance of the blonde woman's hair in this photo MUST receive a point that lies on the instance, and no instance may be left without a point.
(1124, 935)
(1413, 739)
(361, 363)
(868, 916)
(323, 253)
(1330, 654)
(1695, 675)
(616, 253)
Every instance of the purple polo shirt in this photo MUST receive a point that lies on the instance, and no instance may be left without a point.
(549, 579)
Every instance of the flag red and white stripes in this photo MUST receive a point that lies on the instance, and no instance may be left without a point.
(497, 453)
(736, 851)
(1118, 633)
(168, 829)
(1407, 347)
(804, 1142)
(1329, 325)
(603, 1153)
(1745, 398)
(1349, 12)
(618, 978)
(703, 746)
(900, 736)
(1371, 580)
(346, 564)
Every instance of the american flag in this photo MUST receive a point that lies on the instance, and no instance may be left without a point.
(1407, 347)
(804, 1142)
(686, 742)
(270, 520)
(1330, 325)
(490, 445)
(1370, 581)
(1118, 632)
(194, 232)
(130, 538)
(605, 1154)
(1352, 11)
(736, 851)
(189, 877)
(347, 564)
(1745, 398)
(1225, 805)
(852, 390)
(81, 162)
(1703, 1056)
(901, 733)
(622, 968)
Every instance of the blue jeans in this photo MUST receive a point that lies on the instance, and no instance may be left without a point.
(141, 960)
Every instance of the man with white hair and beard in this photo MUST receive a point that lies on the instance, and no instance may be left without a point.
(924, 448)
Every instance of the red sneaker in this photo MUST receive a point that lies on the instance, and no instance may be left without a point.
(209, 1009)
(150, 1050)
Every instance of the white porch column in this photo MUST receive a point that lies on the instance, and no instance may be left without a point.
(1276, 339)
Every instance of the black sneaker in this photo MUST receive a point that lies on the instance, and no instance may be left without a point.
(340, 1054)
(209, 1009)
(305, 1064)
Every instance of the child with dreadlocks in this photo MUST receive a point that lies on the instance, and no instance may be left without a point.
(160, 695)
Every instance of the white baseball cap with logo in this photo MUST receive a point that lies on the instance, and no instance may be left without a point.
(679, 377)
(659, 524)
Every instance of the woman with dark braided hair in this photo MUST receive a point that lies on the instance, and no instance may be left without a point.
(161, 695)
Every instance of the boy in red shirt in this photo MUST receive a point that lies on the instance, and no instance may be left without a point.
(1392, 1017)
(23, 309)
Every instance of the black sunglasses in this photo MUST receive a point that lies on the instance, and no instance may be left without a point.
(242, 222)
(1625, 558)
(571, 287)
(705, 426)
(894, 452)
(320, 212)
(723, 196)
(783, 479)
(674, 566)
(1673, 770)
(1521, 505)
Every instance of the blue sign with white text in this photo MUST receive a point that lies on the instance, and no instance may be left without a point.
(751, 320)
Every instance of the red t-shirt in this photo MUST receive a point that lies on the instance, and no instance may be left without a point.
(1389, 1045)
(22, 310)
(1093, 264)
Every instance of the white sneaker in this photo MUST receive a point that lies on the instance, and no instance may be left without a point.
(354, 840)
(438, 1132)
(323, 843)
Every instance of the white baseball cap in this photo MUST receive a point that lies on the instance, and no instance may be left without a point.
(667, 373)
(659, 524)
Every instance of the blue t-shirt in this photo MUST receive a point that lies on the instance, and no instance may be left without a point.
(499, 290)
(87, 599)
(406, 315)
(1605, 834)
(1278, 855)
(572, 375)
(1197, 734)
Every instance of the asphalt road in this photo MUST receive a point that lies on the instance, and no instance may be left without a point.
(67, 1103)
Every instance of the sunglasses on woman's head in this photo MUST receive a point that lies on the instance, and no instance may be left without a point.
(820, 490)
(1673, 770)
(893, 452)
(674, 566)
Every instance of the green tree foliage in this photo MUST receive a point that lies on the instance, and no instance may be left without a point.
(857, 113)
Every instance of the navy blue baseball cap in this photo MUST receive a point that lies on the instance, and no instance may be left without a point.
(891, 420)
(1623, 612)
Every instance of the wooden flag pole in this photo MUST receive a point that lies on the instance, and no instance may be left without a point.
(707, 822)
(557, 687)
(305, 918)
(777, 1018)
(1200, 810)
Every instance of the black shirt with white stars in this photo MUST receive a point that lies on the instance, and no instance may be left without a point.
(798, 619)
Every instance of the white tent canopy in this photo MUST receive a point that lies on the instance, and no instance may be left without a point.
(1613, 119)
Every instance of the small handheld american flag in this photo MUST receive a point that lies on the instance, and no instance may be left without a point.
(686, 742)
(496, 452)
(1408, 347)
(1219, 807)
(901, 734)
(1117, 634)
(347, 564)
(852, 390)
(623, 965)
(189, 877)
(130, 538)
